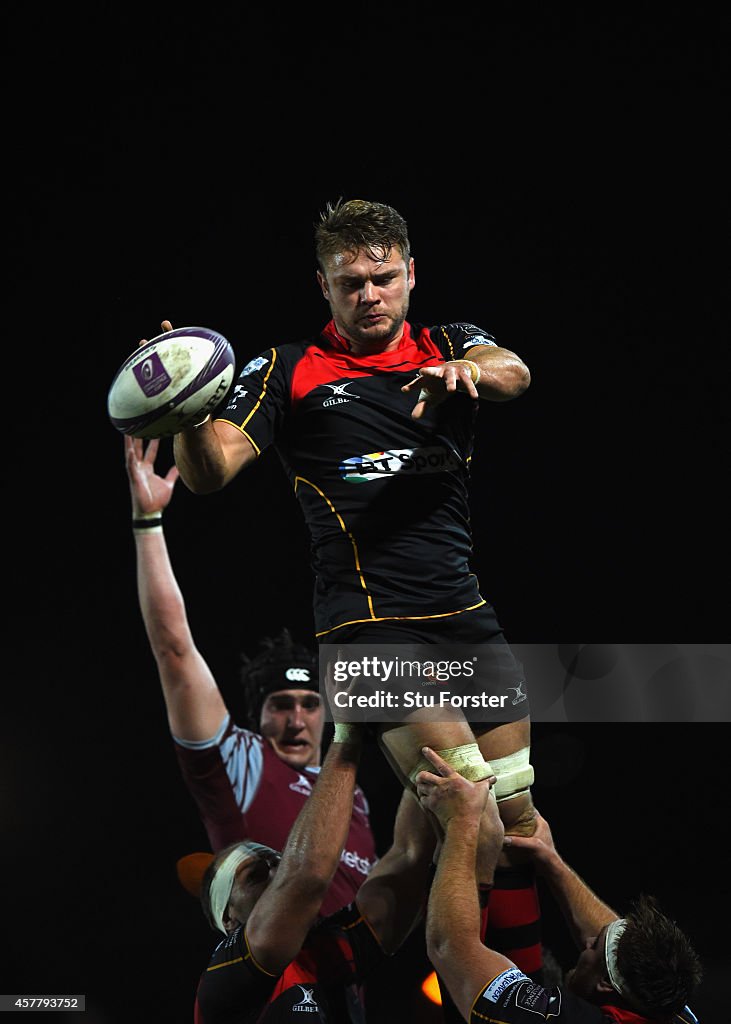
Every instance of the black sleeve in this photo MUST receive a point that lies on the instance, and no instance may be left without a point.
(232, 982)
(455, 339)
(512, 998)
(259, 399)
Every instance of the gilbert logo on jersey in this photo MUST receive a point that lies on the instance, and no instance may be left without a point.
(359, 469)
(339, 395)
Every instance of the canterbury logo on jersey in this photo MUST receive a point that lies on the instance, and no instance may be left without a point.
(378, 465)
(302, 785)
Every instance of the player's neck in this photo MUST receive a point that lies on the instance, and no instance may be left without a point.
(370, 348)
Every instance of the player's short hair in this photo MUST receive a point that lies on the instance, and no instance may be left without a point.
(656, 960)
(347, 226)
(281, 664)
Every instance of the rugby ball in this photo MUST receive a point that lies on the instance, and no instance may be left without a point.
(171, 382)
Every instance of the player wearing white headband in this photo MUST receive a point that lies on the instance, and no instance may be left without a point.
(631, 970)
(278, 955)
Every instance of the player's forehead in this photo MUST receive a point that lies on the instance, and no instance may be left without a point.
(283, 696)
(365, 262)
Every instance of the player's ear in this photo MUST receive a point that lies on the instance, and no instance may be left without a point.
(604, 986)
(322, 281)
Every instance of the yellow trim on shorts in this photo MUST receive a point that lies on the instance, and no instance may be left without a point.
(403, 618)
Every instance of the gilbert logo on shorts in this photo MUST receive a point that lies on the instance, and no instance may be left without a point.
(360, 469)
(307, 1004)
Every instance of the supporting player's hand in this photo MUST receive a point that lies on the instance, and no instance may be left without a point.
(448, 795)
(540, 846)
(149, 492)
(437, 383)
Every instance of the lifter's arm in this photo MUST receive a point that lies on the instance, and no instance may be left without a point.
(453, 916)
(289, 907)
(393, 897)
(584, 912)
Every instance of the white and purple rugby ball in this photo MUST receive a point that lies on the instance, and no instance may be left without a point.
(171, 382)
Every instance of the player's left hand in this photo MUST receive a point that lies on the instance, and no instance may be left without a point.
(437, 383)
(447, 794)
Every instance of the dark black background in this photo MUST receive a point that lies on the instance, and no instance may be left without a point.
(564, 180)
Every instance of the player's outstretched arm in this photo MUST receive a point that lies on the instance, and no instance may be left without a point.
(582, 909)
(453, 914)
(194, 704)
(290, 905)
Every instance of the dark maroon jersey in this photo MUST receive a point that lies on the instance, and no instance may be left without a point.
(337, 955)
(384, 495)
(244, 791)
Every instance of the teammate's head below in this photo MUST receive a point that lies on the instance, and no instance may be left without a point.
(282, 699)
(234, 881)
(366, 272)
(643, 962)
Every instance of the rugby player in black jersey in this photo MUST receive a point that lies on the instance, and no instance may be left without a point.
(373, 420)
(633, 970)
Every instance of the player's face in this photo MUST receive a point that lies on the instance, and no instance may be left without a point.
(292, 721)
(368, 298)
(251, 879)
(590, 970)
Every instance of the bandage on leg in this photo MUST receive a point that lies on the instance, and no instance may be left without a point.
(515, 774)
(467, 760)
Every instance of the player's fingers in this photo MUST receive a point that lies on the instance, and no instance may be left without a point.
(141, 342)
(427, 779)
(151, 451)
(412, 383)
(172, 475)
(439, 763)
(166, 326)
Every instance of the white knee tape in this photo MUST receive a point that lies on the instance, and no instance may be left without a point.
(514, 774)
(467, 760)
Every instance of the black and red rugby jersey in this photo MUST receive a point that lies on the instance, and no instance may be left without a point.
(337, 955)
(384, 495)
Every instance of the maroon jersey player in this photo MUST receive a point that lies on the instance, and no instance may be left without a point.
(247, 784)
